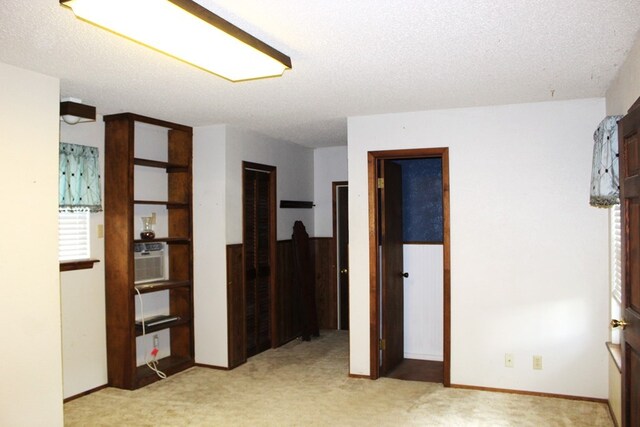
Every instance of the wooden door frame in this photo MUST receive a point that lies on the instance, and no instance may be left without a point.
(336, 272)
(273, 317)
(374, 273)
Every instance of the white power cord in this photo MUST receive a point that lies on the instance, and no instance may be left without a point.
(152, 364)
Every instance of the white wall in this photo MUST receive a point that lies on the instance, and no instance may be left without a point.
(528, 254)
(209, 249)
(329, 165)
(31, 357)
(218, 155)
(625, 89)
(295, 179)
(84, 352)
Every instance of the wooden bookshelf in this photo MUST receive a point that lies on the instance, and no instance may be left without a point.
(120, 237)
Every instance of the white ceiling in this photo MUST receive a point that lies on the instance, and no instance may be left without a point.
(349, 58)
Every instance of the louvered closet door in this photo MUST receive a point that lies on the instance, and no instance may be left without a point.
(257, 265)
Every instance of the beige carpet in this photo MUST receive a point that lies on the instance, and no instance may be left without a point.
(306, 384)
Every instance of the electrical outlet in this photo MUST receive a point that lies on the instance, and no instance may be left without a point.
(100, 231)
(508, 360)
(156, 341)
(153, 217)
(537, 362)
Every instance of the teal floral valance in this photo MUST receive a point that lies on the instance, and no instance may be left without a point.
(79, 178)
(605, 185)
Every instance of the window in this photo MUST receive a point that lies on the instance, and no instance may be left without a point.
(73, 236)
(616, 253)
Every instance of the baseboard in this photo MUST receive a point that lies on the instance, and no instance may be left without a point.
(217, 368)
(85, 393)
(361, 377)
(529, 393)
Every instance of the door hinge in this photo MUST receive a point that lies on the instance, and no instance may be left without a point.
(380, 183)
(382, 344)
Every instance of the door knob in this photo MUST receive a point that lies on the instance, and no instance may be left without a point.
(405, 275)
(618, 323)
(344, 271)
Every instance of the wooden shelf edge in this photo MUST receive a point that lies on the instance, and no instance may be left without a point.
(170, 167)
(164, 239)
(160, 285)
(80, 264)
(168, 204)
(150, 329)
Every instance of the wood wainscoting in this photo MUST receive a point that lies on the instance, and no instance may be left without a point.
(288, 319)
(237, 345)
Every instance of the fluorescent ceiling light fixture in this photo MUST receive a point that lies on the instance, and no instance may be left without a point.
(187, 31)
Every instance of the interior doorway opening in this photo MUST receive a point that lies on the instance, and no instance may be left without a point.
(341, 235)
(410, 337)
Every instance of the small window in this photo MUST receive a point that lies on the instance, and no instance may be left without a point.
(73, 236)
(616, 253)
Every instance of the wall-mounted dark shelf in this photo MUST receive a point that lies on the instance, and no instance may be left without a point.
(170, 167)
(295, 204)
(160, 285)
(169, 205)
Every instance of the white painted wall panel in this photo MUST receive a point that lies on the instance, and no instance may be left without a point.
(31, 360)
(84, 336)
(529, 267)
(423, 297)
(329, 165)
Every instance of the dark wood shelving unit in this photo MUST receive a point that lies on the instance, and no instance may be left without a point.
(167, 204)
(169, 240)
(120, 237)
(168, 325)
(160, 285)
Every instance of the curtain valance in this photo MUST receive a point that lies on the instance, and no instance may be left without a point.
(79, 178)
(605, 185)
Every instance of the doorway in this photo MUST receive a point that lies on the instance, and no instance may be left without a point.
(387, 261)
(341, 234)
(259, 256)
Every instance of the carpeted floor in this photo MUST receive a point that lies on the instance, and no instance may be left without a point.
(306, 384)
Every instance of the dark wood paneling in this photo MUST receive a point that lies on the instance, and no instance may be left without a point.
(322, 254)
(235, 307)
(288, 308)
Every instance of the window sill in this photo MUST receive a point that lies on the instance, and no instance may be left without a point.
(616, 355)
(81, 264)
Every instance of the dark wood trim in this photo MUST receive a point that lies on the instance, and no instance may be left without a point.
(224, 25)
(374, 303)
(85, 393)
(148, 120)
(83, 111)
(236, 317)
(528, 393)
(295, 204)
(616, 354)
(80, 264)
(360, 377)
(372, 161)
(320, 238)
(214, 367)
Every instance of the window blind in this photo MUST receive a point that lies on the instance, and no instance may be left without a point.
(616, 253)
(73, 235)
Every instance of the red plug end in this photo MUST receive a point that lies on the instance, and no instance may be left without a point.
(154, 352)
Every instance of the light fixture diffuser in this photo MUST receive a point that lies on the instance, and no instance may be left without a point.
(73, 111)
(187, 31)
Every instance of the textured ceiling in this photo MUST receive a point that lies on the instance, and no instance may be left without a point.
(350, 58)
